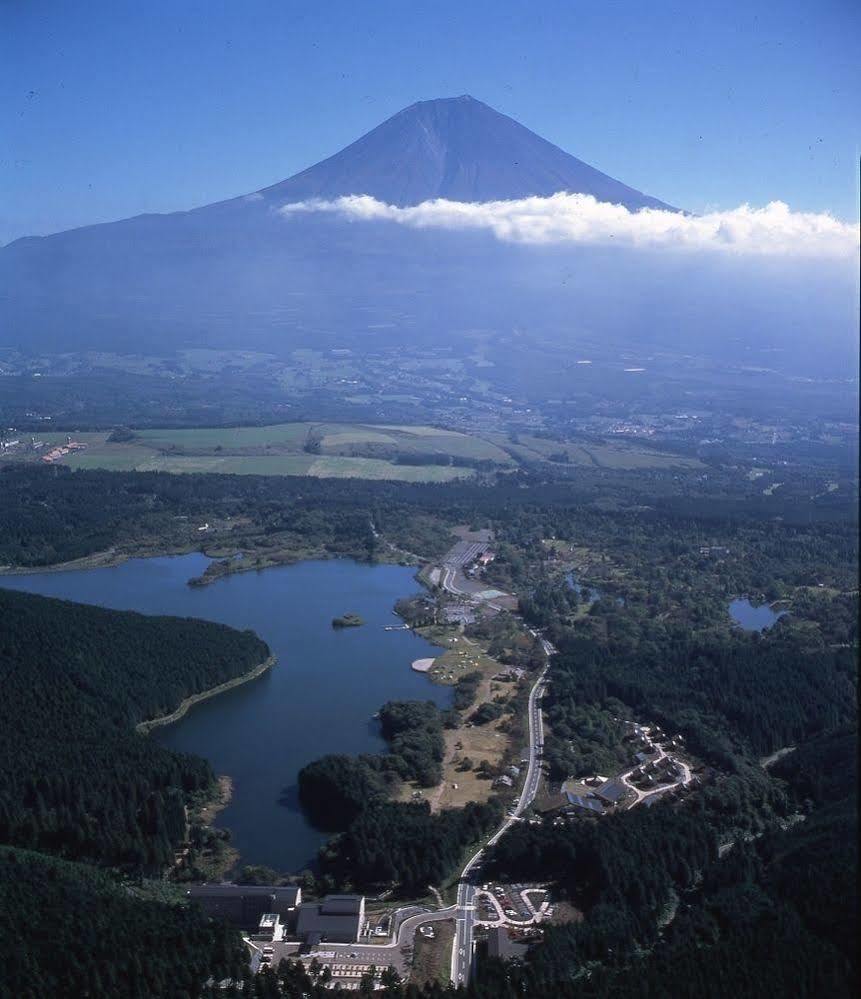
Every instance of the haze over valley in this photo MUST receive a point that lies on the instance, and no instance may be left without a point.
(429, 524)
(289, 301)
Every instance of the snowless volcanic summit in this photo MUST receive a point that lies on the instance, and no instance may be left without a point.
(238, 273)
(456, 148)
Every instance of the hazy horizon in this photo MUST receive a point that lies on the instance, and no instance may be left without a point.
(709, 114)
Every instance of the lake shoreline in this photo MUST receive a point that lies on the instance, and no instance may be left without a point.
(759, 617)
(265, 732)
(144, 727)
(98, 560)
(221, 797)
(221, 565)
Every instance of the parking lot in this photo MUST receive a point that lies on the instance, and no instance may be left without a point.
(514, 904)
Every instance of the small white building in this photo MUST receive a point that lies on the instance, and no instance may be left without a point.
(270, 927)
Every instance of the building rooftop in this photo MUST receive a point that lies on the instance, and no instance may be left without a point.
(341, 905)
(284, 893)
(337, 918)
(613, 791)
(243, 905)
(579, 801)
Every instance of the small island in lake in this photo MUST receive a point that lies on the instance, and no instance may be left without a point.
(347, 621)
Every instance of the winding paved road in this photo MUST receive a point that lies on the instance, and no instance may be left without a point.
(462, 950)
(461, 955)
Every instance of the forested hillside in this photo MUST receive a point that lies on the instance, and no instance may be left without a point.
(67, 929)
(75, 778)
(665, 915)
(391, 843)
(746, 886)
(746, 694)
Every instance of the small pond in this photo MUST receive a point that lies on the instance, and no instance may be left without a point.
(753, 617)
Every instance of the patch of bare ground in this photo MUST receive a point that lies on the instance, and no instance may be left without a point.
(768, 761)
(547, 800)
(219, 801)
(432, 955)
(564, 912)
(482, 536)
(469, 745)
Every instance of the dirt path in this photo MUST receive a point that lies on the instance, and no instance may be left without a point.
(147, 726)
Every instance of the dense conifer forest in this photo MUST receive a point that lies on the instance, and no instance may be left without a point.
(52, 514)
(384, 843)
(746, 694)
(77, 781)
(68, 929)
(746, 887)
(75, 778)
(403, 844)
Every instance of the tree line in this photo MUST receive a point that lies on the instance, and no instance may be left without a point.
(381, 842)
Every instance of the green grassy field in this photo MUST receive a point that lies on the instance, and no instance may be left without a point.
(118, 457)
(607, 454)
(291, 435)
(372, 468)
(342, 450)
(418, 440)
(280, 464)
(275, 450)
(331, 437)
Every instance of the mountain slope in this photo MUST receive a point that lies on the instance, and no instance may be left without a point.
(240, 275)
(456, 148)
(222, 273)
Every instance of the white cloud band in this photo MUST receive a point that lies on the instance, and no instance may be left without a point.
(579, 218)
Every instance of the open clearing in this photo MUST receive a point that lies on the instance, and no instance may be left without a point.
(338, 450)
(322, 450)
(604, 454)
(432, 955)
(118, 457)
(473, 742)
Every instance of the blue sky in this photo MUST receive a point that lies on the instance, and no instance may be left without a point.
(114, 108)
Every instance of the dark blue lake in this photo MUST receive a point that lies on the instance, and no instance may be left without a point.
(752, 617)
(319, 698)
